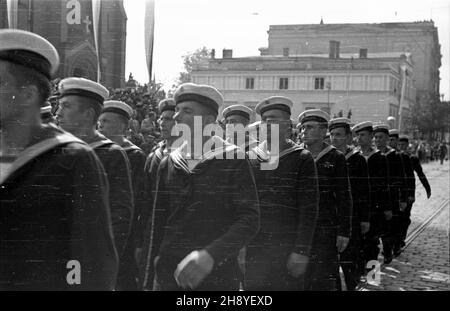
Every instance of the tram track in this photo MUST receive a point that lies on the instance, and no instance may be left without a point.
(419, 229)
(415, 233)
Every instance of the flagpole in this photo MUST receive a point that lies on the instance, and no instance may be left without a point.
(11, 8)
(149, 31)
(96, 8)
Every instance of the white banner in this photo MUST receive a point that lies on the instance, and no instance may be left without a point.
(96, 6)
(149, 31)
(12, 9)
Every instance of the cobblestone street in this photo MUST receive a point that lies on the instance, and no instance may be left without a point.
(425, 263)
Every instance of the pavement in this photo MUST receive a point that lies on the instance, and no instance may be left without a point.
(425, 263)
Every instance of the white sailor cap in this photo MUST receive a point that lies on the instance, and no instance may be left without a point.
(30, 50)
(274, 102)
(82, 87)
(119, 107)
(241, 110)
(203, 94)
(166, 104)
(381, 127)
(317, 115)
(394, 133)
(46, 109)
(363, 126)
(339, 122)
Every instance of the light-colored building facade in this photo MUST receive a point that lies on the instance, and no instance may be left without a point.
(370, 87)
(418, 38)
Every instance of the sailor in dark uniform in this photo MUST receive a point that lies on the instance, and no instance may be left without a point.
(408, 190)
(55, 227)
(80, 105)
(166, 108)
(237, 118)
(397, 190)
(206, 206)
(278, 256)
(351, 261)
(380, 204)
(335, 208)
(113, 123)
(403, 143)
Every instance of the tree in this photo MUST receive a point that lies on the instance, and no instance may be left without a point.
(190, 61)
(431, 119)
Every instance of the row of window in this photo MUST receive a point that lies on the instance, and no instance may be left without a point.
(319, 83)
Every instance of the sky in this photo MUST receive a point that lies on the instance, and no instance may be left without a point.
(182, 26)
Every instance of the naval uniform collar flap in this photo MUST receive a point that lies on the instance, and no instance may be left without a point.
(128, 146)
(224, 148)
(38, 147)
(324, 152)
(100, 141)
(389, 151)
(159, 152)
(264, 155)
(293, 148)
(261, 152)
(177, 157)
(371, 153)
(351, 152)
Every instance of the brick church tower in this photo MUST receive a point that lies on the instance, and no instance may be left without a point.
(68, 25)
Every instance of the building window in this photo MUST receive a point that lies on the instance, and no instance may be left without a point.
(319, 83)
(250, 83)
(284, 83)
(285, 51)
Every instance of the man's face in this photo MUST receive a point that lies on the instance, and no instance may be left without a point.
(166, 122)
(403, 145)
(70, 116)
(111, 124)
(381, 139)
(339, 138)
(186, 111)
(235, 121)
(313, 132)
(10, 99)
(364, 138)
(276, 117)
(393, 142)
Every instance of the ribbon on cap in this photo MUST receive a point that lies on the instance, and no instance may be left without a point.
(365, 128)
(199, 99)
(382, 130)
(166, 107)
(118, 111)
(84, 93)
(313, 118)
(276, 106)
(338, 124)
(28, 59)
(237, 112)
